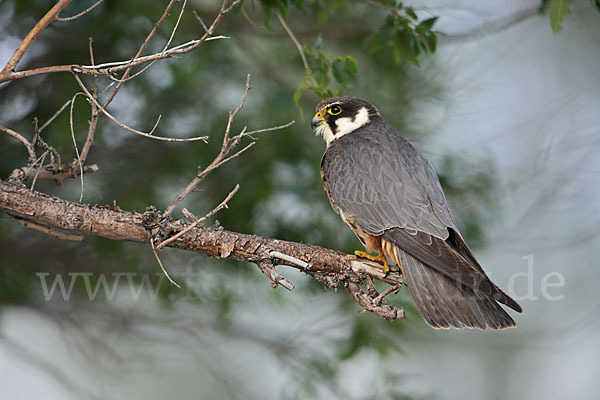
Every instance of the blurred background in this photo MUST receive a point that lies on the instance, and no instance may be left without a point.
(507, 112)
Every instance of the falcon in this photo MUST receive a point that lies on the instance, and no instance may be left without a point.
(385, 190)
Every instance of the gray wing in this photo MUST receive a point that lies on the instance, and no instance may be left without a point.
(384, 182)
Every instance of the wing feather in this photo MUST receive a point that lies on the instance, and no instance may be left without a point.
(385, 176)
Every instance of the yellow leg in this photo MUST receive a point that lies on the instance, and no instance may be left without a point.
(379, 258)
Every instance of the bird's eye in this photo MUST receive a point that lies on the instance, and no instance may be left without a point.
(335, 110)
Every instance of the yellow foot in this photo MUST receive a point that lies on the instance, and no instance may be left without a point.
(380, 259)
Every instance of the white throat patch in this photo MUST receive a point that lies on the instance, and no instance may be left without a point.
(344, 125)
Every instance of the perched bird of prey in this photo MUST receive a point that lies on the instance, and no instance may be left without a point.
(389, 195)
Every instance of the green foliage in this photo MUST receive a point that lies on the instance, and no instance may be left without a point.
(406, 36)
(401, 32)
(323, 66)
(559, 9)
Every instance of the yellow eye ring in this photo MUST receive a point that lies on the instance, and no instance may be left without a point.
(334, 110)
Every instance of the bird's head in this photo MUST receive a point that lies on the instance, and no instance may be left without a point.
(338, 116)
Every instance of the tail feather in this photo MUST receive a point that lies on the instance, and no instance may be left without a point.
(445, 303)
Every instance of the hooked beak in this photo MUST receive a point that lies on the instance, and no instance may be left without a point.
(317, 120)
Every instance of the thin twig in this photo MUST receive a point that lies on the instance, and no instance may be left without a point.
(266, 267)
(148, 135)
(90, 8)
(290, 33)
(231, 157)
(75, 142)
(125, 79)
(139, 53)
(56, 114)
(161, 264)
(21, 139)
(33, 34)
(52, 171)
(377, 300)
(95, 114)
(226, 147)
(110, 68)
(37, 172)
(49, 231)
(201, 22)
(275, 128)
(199, 221)
(252, 22)
(385, 311)
(55, 157)
(290, 259)
(293, 37)
(175, 27)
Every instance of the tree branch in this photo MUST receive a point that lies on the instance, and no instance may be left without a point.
(51, 171)
(227, 146)
(331, 268)
(108, 69)
(87, 10)
(22, 139)
(33, 34)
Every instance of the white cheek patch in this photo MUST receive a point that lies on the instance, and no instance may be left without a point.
(346, 125)
(325, 131)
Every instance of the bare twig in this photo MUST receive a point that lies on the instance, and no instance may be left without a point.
(21, 138)
(199, 221)
(139, 53)
(40, 142)
(226, 147)
(274, 128)
(108, 69)
(290, 259)
(75, 142)
(377, 300)
(161, 264)
(37, 172)
(201, 22)
(384, 311)
(266, 267)
(175, 27)
(149, 134)
(290, 33)
(125, 79)
(33, 34)
(56, 114)
(294, 40)
(252, 22)
(49, 231)
(93, 122)
(90, 8)
(494, 26)
(188, 215)
(52, 172)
